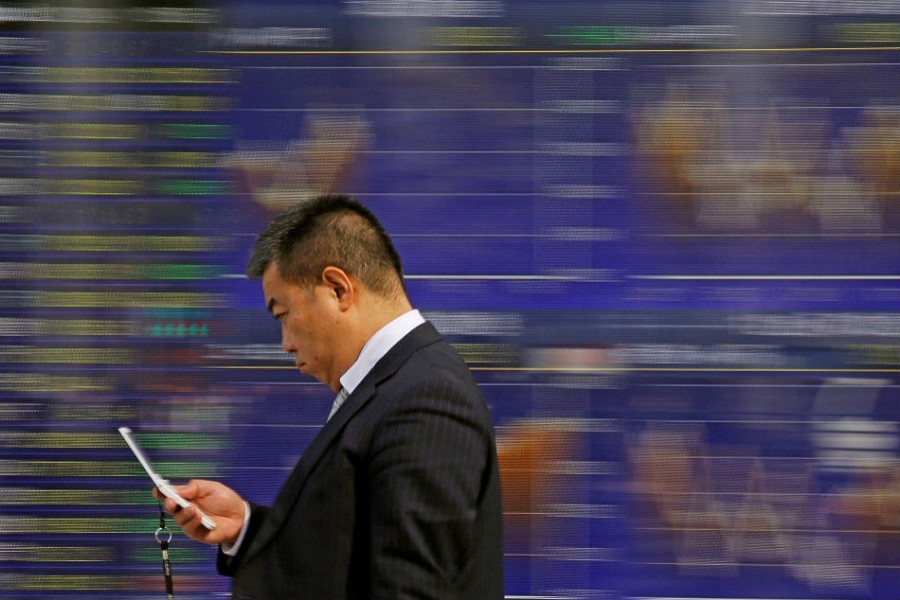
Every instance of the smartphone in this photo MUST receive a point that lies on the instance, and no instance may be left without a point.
(162, 484)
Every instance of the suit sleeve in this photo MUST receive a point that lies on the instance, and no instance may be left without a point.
(428, 462)
(228, 565)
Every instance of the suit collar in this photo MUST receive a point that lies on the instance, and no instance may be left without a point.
(423, 335)
(378, 346)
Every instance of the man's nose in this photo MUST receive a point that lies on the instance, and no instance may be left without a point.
(286, 344)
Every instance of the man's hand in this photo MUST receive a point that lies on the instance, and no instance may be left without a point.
(218, 501)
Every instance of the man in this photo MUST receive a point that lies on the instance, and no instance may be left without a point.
(398, 496)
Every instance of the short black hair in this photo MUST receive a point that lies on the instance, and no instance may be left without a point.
(328, 230)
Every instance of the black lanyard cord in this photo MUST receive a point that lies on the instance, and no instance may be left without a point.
(163, 537)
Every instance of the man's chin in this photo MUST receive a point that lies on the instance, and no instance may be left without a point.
(305, 370)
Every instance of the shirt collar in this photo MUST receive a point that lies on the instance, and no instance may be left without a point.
(379, 345)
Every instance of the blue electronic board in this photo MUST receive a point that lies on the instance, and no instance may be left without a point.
(664, 236)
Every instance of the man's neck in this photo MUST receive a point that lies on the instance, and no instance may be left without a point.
(370, 319)
(380, 314)
(377, 346)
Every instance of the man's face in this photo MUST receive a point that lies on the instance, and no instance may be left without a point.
(308, 324)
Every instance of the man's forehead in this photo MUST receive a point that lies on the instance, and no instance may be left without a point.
(271, 271)
(270, 285)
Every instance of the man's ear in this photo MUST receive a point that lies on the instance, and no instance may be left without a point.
(341, 285)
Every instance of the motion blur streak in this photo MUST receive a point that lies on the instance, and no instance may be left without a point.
(664, 236)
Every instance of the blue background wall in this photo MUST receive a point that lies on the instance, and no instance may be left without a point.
(663, 235)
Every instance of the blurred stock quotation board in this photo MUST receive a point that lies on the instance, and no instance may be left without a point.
(664, 236)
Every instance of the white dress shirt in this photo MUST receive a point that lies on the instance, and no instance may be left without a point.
(379, 345)
(373, 351)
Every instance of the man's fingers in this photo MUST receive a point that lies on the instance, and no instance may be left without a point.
(183, 516)
(188, 490)
(172, 507)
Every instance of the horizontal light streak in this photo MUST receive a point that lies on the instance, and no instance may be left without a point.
(561, 51)
(766, 277)
(496, 277)
(589, 370)
(109, 299)
(110, 468)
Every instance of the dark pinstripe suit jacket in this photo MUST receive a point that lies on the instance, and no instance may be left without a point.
(397, 497)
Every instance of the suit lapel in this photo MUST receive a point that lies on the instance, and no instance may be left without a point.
(419, 337)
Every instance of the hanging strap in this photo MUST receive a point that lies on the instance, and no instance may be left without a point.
(163, 537)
